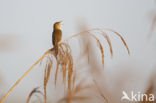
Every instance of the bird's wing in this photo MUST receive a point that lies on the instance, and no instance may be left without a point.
(57, 35)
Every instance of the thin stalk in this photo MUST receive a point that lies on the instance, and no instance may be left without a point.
(22, 77)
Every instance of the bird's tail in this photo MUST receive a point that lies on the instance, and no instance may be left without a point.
(56, 49)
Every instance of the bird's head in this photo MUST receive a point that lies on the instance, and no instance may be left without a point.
(57, 25)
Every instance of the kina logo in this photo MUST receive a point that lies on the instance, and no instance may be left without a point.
(137, 96)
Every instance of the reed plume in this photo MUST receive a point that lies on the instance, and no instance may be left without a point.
(65, 61)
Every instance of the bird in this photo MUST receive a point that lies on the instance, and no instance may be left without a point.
(56, 36)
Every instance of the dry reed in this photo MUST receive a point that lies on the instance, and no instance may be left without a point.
(65, 62)
(46, 77)
(153, 26)
(99, 91)
(34, 91)
(72, 95)
(150, 89)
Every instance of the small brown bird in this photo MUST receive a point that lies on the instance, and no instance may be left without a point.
(56, 36)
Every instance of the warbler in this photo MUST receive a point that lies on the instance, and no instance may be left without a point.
(56, 35)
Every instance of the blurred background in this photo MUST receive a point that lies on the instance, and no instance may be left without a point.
(26, 33)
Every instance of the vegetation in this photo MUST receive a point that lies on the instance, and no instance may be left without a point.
(65, 63)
